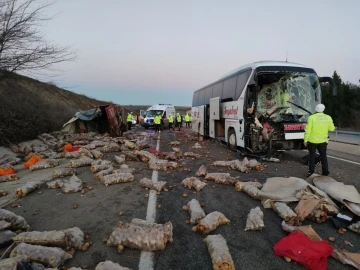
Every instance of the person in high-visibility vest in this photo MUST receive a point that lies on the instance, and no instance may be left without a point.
(178, 120)
(187, 120)
(129, 120)
(171, 122)
(157, 122)
(316, 137)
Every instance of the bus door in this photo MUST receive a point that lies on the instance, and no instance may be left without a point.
(198, 119)
(214, 116)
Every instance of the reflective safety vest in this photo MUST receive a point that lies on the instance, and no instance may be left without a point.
(178, 118)
(187, 118)
(318, 127)
(157, 120)
(171, 119)
(130, 117)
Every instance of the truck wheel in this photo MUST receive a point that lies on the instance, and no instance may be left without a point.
(232, 139)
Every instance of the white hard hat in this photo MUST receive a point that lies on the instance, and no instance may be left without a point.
(177, 114)
(320, 108)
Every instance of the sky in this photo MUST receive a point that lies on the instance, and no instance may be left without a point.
(160, 51)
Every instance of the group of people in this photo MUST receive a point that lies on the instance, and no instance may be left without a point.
(177, 120)
(158, 120)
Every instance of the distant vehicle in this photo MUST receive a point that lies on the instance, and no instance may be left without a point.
(164, 109)
(260, 107)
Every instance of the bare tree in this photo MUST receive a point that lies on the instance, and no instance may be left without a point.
(22, 45)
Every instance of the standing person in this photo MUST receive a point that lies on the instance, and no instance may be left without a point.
(187, 120)
(157, 122)
(129, 120)
(171, 122)
(178, 121)
(137, 118)
(316, 137)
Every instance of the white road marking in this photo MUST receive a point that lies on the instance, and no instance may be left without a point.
(146, 257)
(353, 162)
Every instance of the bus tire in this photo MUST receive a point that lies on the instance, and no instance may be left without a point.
(232, 139)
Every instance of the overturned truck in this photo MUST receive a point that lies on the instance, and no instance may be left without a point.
(260, 107)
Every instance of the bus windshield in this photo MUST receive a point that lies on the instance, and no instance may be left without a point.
(152, 113)
(289, 96)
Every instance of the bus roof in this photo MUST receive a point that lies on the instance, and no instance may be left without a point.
(260, 64)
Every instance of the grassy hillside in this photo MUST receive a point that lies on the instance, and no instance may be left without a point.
(30, 107)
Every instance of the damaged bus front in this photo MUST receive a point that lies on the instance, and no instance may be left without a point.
(278, 106)
(260, 107)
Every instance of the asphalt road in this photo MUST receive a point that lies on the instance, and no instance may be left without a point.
(98, 211)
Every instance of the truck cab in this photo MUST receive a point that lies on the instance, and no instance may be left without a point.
(164, 109)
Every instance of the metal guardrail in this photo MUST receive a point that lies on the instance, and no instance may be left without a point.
(349, 137)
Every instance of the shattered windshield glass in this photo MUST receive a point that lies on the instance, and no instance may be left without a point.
(288, 96)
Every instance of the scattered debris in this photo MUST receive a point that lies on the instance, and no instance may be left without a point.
(210, 222)
(221, 178)
(27, 188)
(117, 178)
(140, 234)
(283, 210)
(195, 211)
(239, 186)
(255, 220)
(193, 182)
(74, 184)
(147, 183)
(62, 172)
(202, 171)
(49, 255)
(219, 252)
(108, 265)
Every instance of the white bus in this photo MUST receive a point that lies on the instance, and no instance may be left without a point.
(260, 107)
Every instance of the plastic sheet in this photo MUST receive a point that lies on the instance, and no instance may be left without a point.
(254, 221)
(141, 235)
(45, 255)
(108, 265)
(300, 248)
(211, 222)
(27, 188)
(32, 161)
(74, 184)
(202, 171)
(62, 172)
(117, 178)
(193, 182)
(219, 252)
(195, 211)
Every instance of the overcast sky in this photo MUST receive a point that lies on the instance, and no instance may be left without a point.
(160, 51)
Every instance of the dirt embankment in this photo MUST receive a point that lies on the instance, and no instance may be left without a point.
(30, 107)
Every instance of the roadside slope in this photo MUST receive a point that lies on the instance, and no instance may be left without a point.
(30, 107)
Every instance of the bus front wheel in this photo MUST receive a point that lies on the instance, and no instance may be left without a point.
(232, 139)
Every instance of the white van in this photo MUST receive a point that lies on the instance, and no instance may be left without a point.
(164, 109)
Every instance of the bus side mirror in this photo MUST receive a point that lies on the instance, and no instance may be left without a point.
(331, 82)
